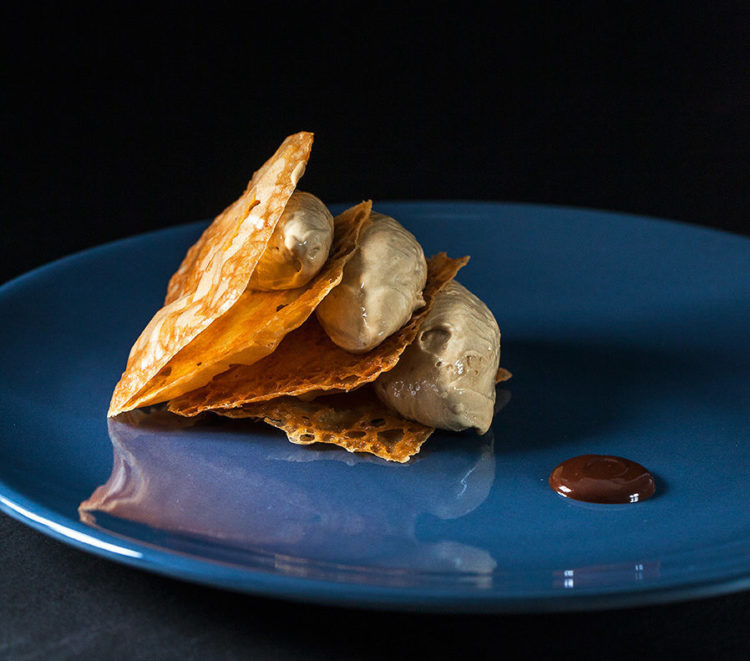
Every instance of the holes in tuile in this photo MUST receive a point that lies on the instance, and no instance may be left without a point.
(390, 435)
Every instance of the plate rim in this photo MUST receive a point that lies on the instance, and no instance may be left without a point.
(258, 582)
(107, 245)
(336, 593)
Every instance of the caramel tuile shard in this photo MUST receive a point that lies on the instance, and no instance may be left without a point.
(255, 325)
(213, 274)
(308, 362)
(356, 421)
(502, 375)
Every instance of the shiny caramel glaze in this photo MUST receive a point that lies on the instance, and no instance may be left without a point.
(600, 478)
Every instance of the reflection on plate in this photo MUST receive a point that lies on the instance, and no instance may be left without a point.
(207, 483)
(625, 336)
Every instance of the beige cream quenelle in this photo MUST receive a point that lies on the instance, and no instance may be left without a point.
(446, 377)
(299, 245)
(381, 287)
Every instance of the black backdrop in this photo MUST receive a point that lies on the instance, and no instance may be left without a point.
(151, 115)
(115, 123)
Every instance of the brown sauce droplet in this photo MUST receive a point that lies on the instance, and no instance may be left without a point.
(601, 478)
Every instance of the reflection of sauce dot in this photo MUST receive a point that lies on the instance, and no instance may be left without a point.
(598, 478)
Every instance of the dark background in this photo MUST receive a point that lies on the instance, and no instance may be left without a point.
(114, 123)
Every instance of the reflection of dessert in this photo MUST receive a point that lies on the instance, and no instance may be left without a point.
(237, 335)
(266, 496)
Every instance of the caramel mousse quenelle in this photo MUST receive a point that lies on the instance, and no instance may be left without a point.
(382, 286)
(299, 245)
(446, 377)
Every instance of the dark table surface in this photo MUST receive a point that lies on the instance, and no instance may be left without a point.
(117, 125)
(60, 603)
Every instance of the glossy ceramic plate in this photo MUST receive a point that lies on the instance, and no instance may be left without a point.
(625, 335)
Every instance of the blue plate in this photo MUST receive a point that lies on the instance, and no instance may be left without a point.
(626, 336)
